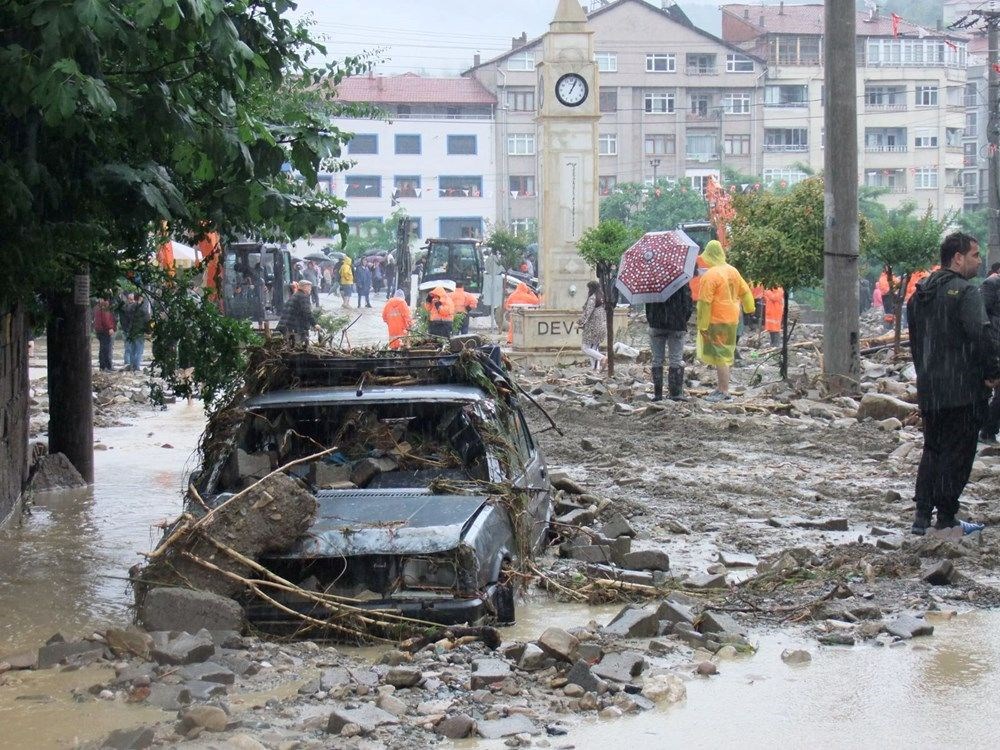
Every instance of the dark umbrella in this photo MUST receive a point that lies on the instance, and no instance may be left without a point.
(320, 257)
(656, 266)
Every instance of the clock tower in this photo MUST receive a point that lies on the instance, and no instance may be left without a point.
(568, 113)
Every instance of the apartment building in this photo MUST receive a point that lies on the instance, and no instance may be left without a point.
(675, 102)
(433, 155)
(911, 106)
(975, 144)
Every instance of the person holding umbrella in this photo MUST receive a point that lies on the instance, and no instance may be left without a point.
(722, 292)
(668, 323)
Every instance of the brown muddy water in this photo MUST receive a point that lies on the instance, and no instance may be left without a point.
(62, 570)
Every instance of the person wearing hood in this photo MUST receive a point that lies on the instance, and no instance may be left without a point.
(522, 296)
(774, 311)
(440, 312)
(396, 315)
(721, 293)
(363, 284)
(346, 282)
(956, 358)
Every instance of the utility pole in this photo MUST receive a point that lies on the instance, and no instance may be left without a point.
(71, 397)
(841, 358)
(991, 19)
(654, 163)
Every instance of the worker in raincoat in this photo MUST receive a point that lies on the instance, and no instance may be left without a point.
(440, 312)
(346, 281)
(464, 302)
(721, 293)
(700, 266)
(396, 315)
(888, 300)
(774, 309)
(522, 296)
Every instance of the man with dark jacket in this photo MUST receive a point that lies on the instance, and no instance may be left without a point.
(668, 323)
(990, 290)
(955, 354)
(297, 318)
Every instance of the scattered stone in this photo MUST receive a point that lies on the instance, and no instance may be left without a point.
(664, 688)
(581, 675)
(561, 481)
(823, 524)
(890, 425)
(24, 660)
(674, 611)
(392, 704)
(204, 691)
(940, 574)
(907, 626)
(837, 639)
(332, 678)
(890, 545)
(617, 526)
(706, 669)
(880, 406)
(634, 622)
(572, 690)
(366, 469)
(796, 656)
(641, 577)
(209, 718)
(591, 553)
(55, 653)
(620, 667)
(533, 658)
(647, 559)
(588, 702)
(559, 644)
(719, 622)
(54, 471)
(676, 527)
(366, 716)
(610, 712)
(737, 560)
(168, 697)
(208, 672)
(456, 727)
(169, 608)
(577, 517)
(403, 677)
(486, 672)
(183, 649)
(130, 739)
(130, 642)
(706, 581)
(507, 727)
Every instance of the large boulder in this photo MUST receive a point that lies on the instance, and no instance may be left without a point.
(54, 472)
(184, 609)
(880, 406)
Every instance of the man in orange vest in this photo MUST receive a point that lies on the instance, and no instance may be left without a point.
(464, 302)
(522, 296)
(440, 312)
(396, 315)
(774, 309)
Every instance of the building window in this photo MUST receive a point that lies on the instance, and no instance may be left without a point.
(953, 137)
(661, 63)
(926, 178)
(607, 62)
(700, 146)
(407, 144)
(521, 61)
(363, 144)
(606, 184)
(403, 110)
(738, 64)
(925, 138)
(521, 144)
(608, 100)
(700, 104)
(970, 181)
(782, 175)
(658, 103)
(786, 96)
(917, 53)
(522, 227)
(406, 186)
(607, 144)
(363, 226)
(460, 187)
(700, 64)
(927, 96)
(461, 145)
(461, 229)
(785, 49)
(521, 100)
(656, 145)
(522, 186)
(971, 125)
(970, 152)
(736, 104)
(736, 145)
(786, 139)
(971, 95)
(363, 187)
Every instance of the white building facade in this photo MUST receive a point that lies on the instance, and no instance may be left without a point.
(434, 155)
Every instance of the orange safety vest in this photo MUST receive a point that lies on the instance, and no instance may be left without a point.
(774, 308)
(444, 311)
(396, 315)
(463, 301)
(521, 295)
(700, 267)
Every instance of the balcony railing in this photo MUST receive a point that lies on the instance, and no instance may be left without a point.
(694, 115)
(971, 102)
(899, 64)
(960, 189)
(886, 149)
(787, 104)
(953, 149)
(778, 147)
(701, 70)
(900, 107)
(702, 157)
(970, 161)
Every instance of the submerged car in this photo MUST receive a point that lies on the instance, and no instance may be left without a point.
(433, 488)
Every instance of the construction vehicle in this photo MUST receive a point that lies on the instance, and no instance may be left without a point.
(255, 281)
(452, 262)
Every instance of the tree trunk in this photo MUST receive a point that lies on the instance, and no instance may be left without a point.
(71, 399)
(783, 366)
(606, 274)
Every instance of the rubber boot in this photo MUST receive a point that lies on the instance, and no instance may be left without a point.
(675, 382)
(658, 383)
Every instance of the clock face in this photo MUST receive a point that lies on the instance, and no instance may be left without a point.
(572, 90)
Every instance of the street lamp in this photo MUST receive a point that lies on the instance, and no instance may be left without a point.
(654, 163)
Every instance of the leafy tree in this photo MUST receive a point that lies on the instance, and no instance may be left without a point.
(777, 241)
(654, 208)
(903, 245)
(624, 203)
(373, 235)
(507, 246)
(975, 223)
(602, 247)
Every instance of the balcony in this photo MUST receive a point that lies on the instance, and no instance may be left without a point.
(702, 157)
(785, 147)
(694, 116)
(701, 70)
(898, 107)
(955, 189)
(970, 161)
(788, 104)
(886, 149)
(953, 149)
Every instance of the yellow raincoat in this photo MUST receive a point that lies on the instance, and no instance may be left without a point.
(721, 292)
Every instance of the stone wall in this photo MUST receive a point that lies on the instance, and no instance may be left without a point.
(13, 408)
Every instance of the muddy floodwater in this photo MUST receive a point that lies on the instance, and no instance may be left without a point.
(64, 569)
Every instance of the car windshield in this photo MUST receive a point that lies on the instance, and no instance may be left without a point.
(378, 445)
(458, 261)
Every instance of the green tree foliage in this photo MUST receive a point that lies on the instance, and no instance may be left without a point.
(905, 243)
(777, 240)
(374, 235)
(656, 208)
(602, 247)
(975, 223)
(508, 247)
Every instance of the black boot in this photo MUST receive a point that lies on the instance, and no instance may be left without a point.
(658, 383)
(675, 382)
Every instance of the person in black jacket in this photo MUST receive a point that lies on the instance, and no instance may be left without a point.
(668, 323)
(297, 318)
(990, 290)
(955, 354)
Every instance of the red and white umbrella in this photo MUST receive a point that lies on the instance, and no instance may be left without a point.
(656, 266)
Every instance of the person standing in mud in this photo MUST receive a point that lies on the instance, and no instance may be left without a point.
(956, 357)
(668, 322)
(298, 318)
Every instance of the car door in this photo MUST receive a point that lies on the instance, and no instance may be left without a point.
(532, 477)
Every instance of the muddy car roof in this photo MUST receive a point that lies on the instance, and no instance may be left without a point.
(370, 394)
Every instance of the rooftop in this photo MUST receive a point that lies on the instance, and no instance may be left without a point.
(410, 88)
(808, 19)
